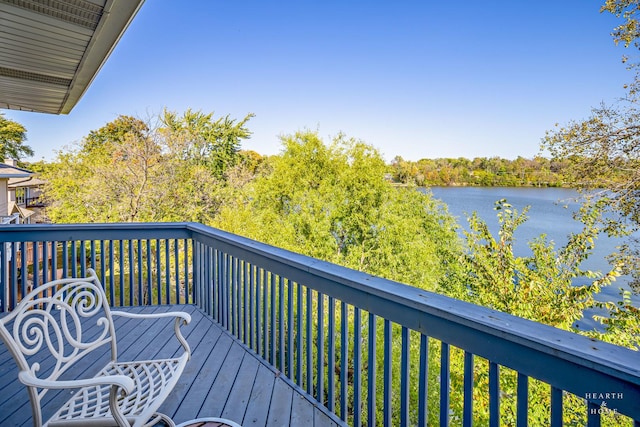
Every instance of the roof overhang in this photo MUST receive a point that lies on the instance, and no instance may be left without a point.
(24, 182)
(51, 50)
(9, 172)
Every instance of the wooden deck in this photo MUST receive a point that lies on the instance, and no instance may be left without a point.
(222, 379)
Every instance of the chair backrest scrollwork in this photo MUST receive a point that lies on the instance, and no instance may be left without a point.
(58, 323)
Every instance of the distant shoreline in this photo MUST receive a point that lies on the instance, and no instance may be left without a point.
(460, 185)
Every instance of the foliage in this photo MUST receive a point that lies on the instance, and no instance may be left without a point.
(12, 138)
(603, 158)
(480, 171)
(548, 286)
(621, 322)
(602, 152)
(196, 138)
(540, 287)
(332, 202)
(130, 170)
(109, 178)
(627, 33)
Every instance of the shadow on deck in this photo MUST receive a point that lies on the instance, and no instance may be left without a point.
(223, 378)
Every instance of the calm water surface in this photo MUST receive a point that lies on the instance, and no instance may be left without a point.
(550, 213)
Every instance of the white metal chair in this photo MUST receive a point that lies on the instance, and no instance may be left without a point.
(54, 319)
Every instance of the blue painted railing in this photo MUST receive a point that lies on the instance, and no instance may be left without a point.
(372, 351)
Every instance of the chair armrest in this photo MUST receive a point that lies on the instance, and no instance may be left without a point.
(122, 381)
(181, 317)
(179, 314)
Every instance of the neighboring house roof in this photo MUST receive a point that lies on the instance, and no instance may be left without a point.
(24, 212)
(51, 50)
(25, 182)
(7, 171)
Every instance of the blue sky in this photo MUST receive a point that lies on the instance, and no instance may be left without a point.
(418, 79)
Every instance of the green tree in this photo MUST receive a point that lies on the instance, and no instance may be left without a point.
(481, 171)
(602, 152)
(627, 33)
(172, 169)
(111, 177)
(547, 286)
(12, 140)
(196, 137)
(540, 287)
(332, 202)
(602, 157)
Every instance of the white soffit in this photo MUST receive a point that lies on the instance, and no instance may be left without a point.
(51, 50)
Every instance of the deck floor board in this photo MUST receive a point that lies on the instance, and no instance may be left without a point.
(186, 392)
(280, 410)
(222, 379)
(221, 388)
(200, 382)
(302, 413)
(262, 399)
(240, 393)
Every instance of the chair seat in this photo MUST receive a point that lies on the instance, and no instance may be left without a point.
(154, 380)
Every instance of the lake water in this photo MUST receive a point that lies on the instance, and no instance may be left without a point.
(550, 213)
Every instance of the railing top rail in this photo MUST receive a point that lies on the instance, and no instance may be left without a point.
(106, 231)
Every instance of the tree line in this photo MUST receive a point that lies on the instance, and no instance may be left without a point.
(538, 171)
(480, 171)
